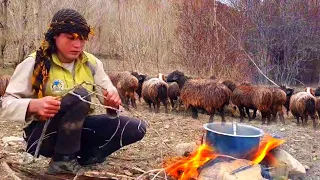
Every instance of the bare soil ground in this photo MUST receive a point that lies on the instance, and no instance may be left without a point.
(164, 132)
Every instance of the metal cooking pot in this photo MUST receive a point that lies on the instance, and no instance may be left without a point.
(233, 139)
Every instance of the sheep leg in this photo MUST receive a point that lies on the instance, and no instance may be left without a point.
(133, 100)
(268, 114)
(274, 114)
(150, 109)
(172, 104)
(274, 117)
(179, 102)
(156, 106)
(212, 115)
(281, 117)
(263, 114)
(247, 111)
(254, 113)
(221, 111)
(298, 122)
(194, 112)
(305, 120)
(241, 110)
(165, 103)
(125, 102)
(234, 110)
(313, 117)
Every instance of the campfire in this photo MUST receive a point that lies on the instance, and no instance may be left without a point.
(188, 167)
(207, 161)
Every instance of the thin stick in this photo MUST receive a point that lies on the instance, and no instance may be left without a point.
(131, 159)
(82, 99)
(140, 170)
(41, 137)
(9, 171)
(247, 54)
(157, 174)
(299, 81)
(97, 174)
(151, 171)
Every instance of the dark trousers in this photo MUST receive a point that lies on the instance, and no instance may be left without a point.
(72, 131)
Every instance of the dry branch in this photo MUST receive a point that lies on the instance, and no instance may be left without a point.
(10, 172)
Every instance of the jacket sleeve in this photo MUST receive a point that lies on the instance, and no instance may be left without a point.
(102, 79)
(18, 94)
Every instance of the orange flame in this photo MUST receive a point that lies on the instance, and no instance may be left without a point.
(187, 168)
(267, 144)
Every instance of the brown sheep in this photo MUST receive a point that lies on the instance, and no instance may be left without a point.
(161, 76)
(242, 98)
(303, 104)
(174, 94)
(126, 85)
(262, 100)
(201, 93)
(317, 91)
(155, 91)
(316, 94)
(309, 90)
(278, 100)
(253, 97)
(318, 106)
(4, 81)
(289, 92)
(141, 78)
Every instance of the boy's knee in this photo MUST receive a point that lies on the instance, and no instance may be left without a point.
(73, 98)
(83, 93)
(142, 129)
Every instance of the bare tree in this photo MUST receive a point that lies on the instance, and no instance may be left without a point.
(3, 29)
(21, 46)
(282, 37)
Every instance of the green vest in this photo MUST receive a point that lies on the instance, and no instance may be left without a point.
(61, 80)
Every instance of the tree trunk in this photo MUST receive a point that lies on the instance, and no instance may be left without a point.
(21, 46)
(37, 6)
(3, 29)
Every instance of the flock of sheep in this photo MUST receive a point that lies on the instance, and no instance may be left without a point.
(210, 96)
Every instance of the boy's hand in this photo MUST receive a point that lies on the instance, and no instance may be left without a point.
(111, 99)
(45, 107)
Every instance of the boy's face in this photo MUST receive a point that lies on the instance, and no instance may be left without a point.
(69, 46)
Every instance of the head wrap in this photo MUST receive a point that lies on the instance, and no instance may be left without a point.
(64, 21)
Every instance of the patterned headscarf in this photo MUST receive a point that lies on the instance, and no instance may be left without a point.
(64, 21)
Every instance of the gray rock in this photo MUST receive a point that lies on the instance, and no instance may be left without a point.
(295, 168)
(185, 148)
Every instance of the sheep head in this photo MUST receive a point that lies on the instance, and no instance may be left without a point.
(289, 91)
(317, 91)
(175, 76)
(178, 77)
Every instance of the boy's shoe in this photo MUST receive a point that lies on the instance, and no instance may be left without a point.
(92, 160)
(64, 167)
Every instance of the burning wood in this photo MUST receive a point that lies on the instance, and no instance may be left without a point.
(228, 170)
(189, 167)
